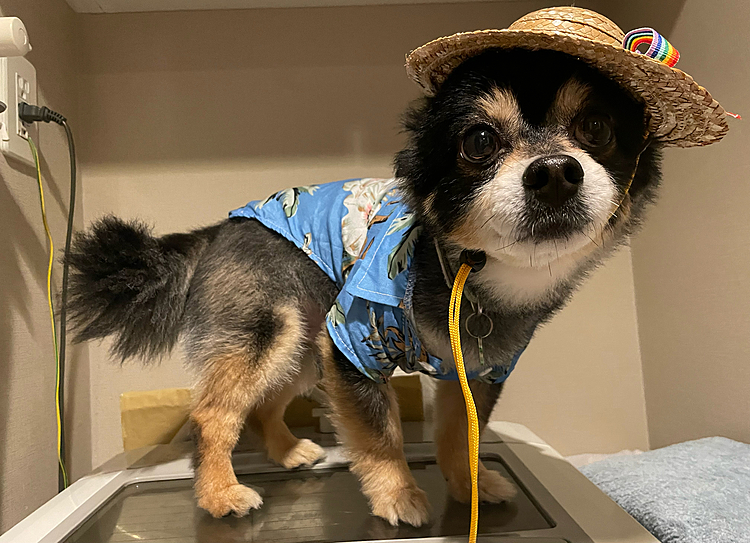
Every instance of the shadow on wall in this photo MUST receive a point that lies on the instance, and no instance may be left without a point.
(20, 248)
(27, 366)
(187, 86)
(27, 429)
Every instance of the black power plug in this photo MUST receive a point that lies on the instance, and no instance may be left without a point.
(32, 114)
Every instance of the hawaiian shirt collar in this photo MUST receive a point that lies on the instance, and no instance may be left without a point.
(381, 271)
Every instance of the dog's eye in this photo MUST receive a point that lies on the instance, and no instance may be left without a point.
(594, 130)
(480, 144)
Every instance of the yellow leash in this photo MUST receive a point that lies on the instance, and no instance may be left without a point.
(454, 313)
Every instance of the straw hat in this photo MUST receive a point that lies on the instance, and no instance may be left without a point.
(681, 112)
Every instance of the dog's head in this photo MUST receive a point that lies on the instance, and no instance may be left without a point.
(528, 156)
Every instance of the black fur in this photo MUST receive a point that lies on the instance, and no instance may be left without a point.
(367, 396)
(239, 281)
(486, 400)
(429, 163)
(221, 284)
(127, 283)
(430, 167)
(513, 326)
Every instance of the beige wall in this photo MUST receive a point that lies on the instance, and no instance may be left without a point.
(692, 260)
(191, 114)
(579, 385)
(28, 466)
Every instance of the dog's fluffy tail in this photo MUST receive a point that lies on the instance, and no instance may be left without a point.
(126, 283)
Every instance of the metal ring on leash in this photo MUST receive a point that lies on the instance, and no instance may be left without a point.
(468, 321)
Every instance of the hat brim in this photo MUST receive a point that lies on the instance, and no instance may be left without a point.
(680, 112)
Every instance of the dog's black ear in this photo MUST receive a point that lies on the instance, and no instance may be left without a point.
(413, 122)
(409, 163)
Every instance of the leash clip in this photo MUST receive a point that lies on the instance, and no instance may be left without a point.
(474, 259)
(479, 336)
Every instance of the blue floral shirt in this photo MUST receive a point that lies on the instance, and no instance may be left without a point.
(362, 236)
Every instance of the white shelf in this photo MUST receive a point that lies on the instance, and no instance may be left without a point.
(125, 6)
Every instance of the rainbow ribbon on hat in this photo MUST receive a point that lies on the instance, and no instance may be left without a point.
(659, 48)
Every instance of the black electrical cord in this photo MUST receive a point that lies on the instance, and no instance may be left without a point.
(29, 114)
(61, 477)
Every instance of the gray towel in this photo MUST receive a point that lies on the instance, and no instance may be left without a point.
(693, 492)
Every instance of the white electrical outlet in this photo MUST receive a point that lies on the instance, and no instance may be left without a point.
(17, 84)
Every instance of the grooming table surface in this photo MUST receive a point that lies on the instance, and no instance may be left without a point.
(147, 496)
(298, 507)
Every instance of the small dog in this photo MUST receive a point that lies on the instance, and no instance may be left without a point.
(532, 157)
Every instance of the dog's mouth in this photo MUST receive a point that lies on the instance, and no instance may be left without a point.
(539, 223)
(554, 204)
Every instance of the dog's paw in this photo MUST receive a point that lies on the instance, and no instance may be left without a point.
(493, 488)
(304, 453)
(407, 504)
(236, 499)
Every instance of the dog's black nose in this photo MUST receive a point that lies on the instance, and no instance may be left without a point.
(554, 179)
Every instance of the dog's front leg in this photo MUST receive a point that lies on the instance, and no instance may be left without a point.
(366, 417)
(453, 445)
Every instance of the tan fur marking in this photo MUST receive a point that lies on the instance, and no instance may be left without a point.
(453, 449)
(377, 458)
(570, 99)
(465, 234)
(502, 106)
(230, 386)
(428, 209)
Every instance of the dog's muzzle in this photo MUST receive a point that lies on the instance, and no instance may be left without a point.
(553, 179)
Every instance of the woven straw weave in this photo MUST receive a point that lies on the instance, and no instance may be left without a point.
(681, 113)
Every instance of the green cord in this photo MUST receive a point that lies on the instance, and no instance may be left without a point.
(58, 384)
